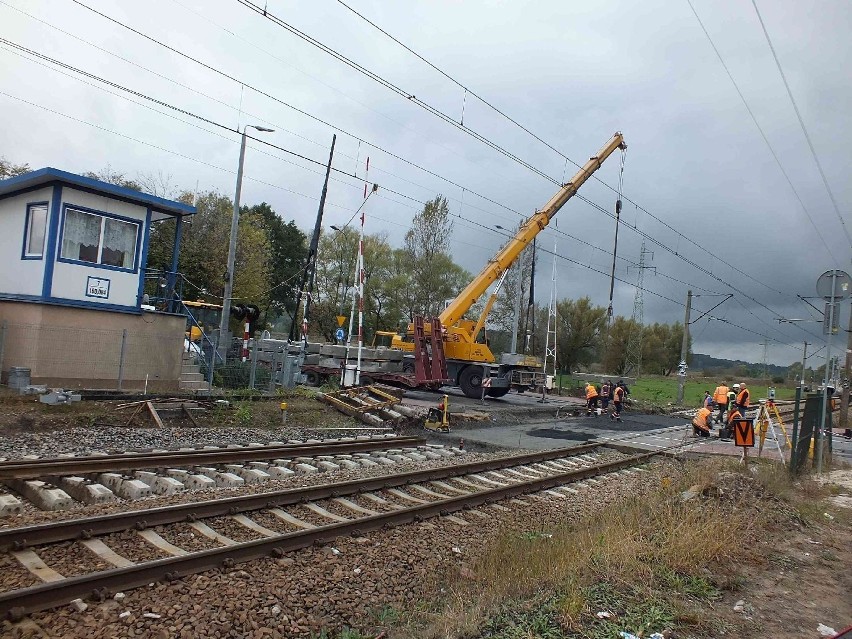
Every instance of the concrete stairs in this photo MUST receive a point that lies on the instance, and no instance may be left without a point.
(191, 378)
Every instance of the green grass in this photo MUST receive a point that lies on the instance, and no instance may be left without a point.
(663, 390)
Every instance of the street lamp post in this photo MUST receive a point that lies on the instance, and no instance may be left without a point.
(232, 245)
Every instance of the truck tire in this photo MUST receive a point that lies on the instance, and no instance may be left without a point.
(470, 381)
(312, 378)
(497, 392)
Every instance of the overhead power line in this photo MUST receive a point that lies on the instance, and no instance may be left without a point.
(802, 124)
(350, 175)
(262, 11)
(762, 132)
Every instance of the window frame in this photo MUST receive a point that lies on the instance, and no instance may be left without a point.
(139, 223)
(25, 254)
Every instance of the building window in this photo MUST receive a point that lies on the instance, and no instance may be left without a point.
(36, 229)
(89, 237)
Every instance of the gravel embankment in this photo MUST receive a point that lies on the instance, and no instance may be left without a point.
(329, 587)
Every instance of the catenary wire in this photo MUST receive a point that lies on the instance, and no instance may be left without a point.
(450, 120)
(204, 162)
(802, 124)
(159, 102)
(761, 131)
(205, 65)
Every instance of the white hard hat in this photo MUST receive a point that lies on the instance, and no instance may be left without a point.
(736, 385)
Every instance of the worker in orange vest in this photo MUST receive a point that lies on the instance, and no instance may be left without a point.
(743, 399)
(702, 422)
(720, 396)
(591, 398)
(618, 395)
(726, 432)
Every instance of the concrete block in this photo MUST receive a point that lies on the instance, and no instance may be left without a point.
(416, 457)
(392, 451)
(304, 460)
(207, 471)
(9, 505)
(347, 439)
(178, 473)
(397, 457)
(199, 482)
(305, 468)
(295, 441)
(229, 480)
(259, 465)
(133, 489)
(442, 452)
(86, 491)
(362, 438)
(384, 461)
(327, 466)
(344, 456)
(145, 476)
(47, 497)
(111, 480)
(313, 441)
(361, 455)
(276, 444)
(366, 463)
(428, 454)
(279, 472)
(457, 450)
(286, 463)
(329, 458)
(251, 475)
(167, 486)
(347, 464)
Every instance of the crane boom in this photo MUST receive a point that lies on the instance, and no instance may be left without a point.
(532, 227)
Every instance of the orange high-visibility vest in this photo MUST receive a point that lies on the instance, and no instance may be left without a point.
(720, 395)
(742, 398)
(700, 420)
(735, 414)
(618, 395)
(591, 391)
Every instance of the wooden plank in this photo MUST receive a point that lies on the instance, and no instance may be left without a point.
(154, 414)
(188, 414)
(139, 407)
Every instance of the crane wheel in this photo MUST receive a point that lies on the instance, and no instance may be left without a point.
(312, 378)
(497, 392)
(470, 381)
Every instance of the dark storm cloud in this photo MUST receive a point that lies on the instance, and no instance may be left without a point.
(572, 72)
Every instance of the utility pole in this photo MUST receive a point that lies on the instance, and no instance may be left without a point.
(804, 360)
(844, 392)
(309, 272)
(684, 346)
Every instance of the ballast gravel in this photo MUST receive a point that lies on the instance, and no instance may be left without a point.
(345, 583)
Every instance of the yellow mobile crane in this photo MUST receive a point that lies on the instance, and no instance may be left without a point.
(470, 361)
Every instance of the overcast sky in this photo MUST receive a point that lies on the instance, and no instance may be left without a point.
(572, 72)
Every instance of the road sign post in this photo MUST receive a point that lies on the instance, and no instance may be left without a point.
(744, 436)
(833, 287)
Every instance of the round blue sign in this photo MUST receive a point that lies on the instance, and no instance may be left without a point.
(339, 334)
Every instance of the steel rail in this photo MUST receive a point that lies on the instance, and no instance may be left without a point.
(57, 531)
(58, 466)
(15, 604)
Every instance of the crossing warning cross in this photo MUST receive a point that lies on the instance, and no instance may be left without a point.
(744, 432)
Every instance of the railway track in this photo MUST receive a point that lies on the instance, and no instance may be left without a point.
(64, 466)
(284, 521)
(59, 483)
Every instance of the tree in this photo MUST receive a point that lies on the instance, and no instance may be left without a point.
(288, 250)
(579, 328)
(503, 313)
(434, 276)
(615, 360)
(106, 174)
(204, 252)
(9, 170)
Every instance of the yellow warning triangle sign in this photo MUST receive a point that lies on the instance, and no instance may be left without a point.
(341, 319)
